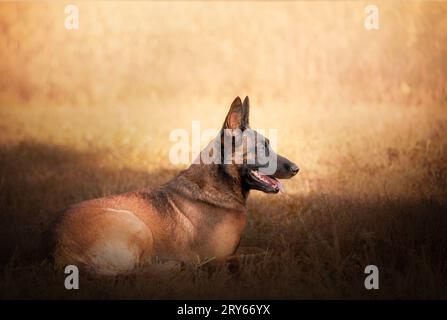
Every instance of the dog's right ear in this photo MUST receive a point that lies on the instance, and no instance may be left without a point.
(237, 117)
(246, 111)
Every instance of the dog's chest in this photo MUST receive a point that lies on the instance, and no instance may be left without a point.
(225, 235)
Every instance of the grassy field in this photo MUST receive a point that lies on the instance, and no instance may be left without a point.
(88, 114)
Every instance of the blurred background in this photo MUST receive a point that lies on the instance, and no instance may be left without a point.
(137, 52)
(87, 113)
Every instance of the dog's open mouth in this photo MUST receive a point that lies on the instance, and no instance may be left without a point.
(267, 180)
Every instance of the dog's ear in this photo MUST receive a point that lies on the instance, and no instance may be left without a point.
(246, 112)
(237, 117)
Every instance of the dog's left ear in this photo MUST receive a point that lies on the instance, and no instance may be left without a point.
(237, 117)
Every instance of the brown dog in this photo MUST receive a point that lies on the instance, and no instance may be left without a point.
(200, 213)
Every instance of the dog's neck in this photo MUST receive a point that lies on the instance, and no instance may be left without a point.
(214, 184)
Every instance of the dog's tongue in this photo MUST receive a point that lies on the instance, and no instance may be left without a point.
(274, 182)
(281, 187)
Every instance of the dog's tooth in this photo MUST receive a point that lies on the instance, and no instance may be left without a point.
(281, 187)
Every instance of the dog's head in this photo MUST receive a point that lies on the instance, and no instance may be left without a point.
(248, 154)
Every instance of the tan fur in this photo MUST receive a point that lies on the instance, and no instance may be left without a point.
(120, 233)
(199, 214)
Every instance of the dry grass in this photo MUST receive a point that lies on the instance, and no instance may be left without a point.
(364, 115)
(371, 191)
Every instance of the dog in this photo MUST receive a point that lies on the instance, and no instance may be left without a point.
(202, 212)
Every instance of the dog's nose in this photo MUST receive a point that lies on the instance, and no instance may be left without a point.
(294, 169)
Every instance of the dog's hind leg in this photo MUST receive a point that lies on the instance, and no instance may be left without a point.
(106, 241)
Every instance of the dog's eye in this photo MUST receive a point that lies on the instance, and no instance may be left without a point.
(263, 148)
(267, 147)
(267, 150)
